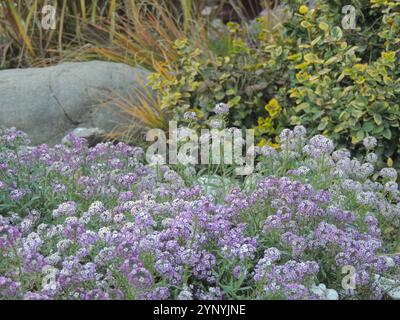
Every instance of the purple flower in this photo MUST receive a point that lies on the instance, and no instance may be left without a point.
(389, 173)
(159, 293)
(318, 146)
(371, 158)
(18, 194)
(216, 124)
(65, 209)
(8, 287)
(185, 294)
(370, 143)
(221, 108)
(189, 115)
(239, 272)
(112, 227)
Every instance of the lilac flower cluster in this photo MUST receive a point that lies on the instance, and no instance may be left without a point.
(347, 179)
(98, 223)
(221, 108)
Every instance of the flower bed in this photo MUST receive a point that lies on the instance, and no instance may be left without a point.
(99, 223)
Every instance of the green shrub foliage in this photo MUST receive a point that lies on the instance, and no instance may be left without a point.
(341, 83)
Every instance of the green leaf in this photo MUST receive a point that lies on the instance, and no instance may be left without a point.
(356, 113)
(231, 92)
(302, 107)
(344, 116)
(220, 95)
(278, 51)
(233, 102)
(339, 128)
(323, 26)
(315, 41)
(378, 118)
(379, 129)
(294, 120)
(305, 24)
(387, 133)
(336, 33)
(334, 59)
(360, 135)
(311, 58)
(322, 125)
(368, 126)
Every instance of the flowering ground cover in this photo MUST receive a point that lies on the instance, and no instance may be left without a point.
(100, 223)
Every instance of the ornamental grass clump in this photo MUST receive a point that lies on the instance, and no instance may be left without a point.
(99, 223)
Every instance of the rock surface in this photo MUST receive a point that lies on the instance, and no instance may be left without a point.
(390, 286)
(48, 103)
(323, 293)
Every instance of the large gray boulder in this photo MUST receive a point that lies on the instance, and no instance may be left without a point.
(48, 103)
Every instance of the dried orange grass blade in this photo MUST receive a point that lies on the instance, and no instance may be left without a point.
(20, 28)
